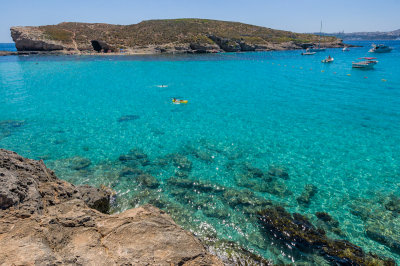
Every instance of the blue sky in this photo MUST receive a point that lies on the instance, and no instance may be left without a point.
(293, 15)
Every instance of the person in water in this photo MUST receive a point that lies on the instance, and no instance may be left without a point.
(329, 57)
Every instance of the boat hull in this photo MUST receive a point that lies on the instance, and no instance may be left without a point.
(316, 50)
(380, 50)
(363, 66)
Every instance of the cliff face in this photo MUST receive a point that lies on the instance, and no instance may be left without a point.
(47, 221)
(32, 39)
(158, 36)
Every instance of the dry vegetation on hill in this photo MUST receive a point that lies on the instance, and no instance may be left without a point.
(157, 32)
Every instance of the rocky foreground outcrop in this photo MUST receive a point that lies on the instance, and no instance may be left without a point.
(47, 221)
(162, 36)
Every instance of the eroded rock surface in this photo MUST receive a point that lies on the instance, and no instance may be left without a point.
(47, 221)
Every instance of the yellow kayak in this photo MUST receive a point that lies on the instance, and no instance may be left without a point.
(177, 101)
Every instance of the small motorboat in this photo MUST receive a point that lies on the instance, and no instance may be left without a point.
(345, 49)
(316, 49)
(380, 48)
(308, 53)
(329, 59)
(178, 101)
(367, 63)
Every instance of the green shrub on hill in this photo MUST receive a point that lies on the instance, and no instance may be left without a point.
(53, 32)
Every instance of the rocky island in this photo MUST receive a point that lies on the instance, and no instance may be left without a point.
(161, 36)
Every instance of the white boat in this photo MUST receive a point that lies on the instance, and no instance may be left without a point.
(308, 53)
(345, 49)
(380, 48)
(368, 63)
(328, 60)
(316, 49)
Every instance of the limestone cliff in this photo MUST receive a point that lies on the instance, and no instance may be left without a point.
(159, 36)
(47, 221)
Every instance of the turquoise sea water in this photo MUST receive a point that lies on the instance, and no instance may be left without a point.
(325, 124)
(7, 47)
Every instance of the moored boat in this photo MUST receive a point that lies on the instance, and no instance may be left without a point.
(316, 49)
(308, 53)
(329, 59)
(380, 48)
(368, 63)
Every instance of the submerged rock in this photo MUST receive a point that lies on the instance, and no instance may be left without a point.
(161, 162)
(59, 141)
(217, 212)
(79, 163)
(386, 233)
(47, 221)
(128, 118)
(134, 158)
(294, 230)
(244, 198)
(126, 158)
(274, 187)
(308, 193)
(182, 163)
(43, 157)
(131, 172)
(147, 181)
(238, 197)
(137, 153)
(324, 216)
(183, 174)
(203, 155)
(278, 172)
(393, 204)
(297, 231)
(329, 223)
(252, 172)
(194, 185)
(233, 254)
(8, 126)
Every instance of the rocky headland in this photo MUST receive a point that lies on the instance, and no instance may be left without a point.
(161, 36)
(47, 221)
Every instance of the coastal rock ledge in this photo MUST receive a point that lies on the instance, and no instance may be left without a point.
(47, 221)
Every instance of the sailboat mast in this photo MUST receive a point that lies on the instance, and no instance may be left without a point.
(320, 31)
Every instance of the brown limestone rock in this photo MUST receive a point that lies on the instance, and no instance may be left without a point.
(47, 221)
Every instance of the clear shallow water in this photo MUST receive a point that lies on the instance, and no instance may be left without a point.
(326, 124)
